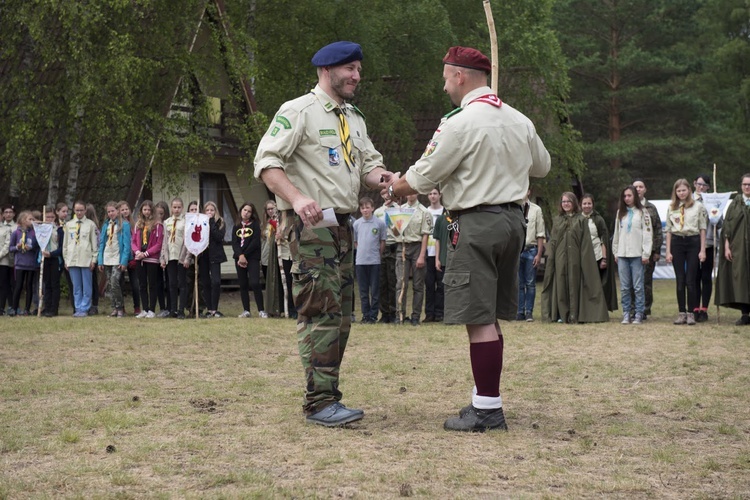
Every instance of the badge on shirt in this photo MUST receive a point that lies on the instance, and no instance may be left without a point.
(430, 148)
(327, 132)
(334, 160)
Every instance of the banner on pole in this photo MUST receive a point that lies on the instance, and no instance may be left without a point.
(43, 232)
(196, 233)
(716, 204)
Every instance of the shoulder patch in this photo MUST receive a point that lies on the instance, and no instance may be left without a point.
(284, 122)
(274, 131)
(430, 148)
(454, 112)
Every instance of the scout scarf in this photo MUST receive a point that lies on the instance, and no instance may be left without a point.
(111, 231)
(144, 236)
(78, 230)
(630, 219)
(174, 230)
(346, 139)
(23, 240)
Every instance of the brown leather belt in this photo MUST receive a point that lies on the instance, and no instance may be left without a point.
(495, 209)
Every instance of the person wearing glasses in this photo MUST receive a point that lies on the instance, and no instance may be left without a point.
(733, 280)
(702, 184)
(572, 290)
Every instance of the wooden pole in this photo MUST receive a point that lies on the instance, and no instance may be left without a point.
(404, 279)
(493, 43)
(195, 289)
(41, 273)
(715, 247)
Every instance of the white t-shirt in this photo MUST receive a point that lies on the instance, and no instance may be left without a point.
(436, 212)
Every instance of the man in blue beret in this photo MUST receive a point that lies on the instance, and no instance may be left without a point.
(314, 157)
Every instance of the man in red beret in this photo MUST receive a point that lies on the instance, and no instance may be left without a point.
(481, 156)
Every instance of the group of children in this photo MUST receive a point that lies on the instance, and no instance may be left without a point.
(150, 250)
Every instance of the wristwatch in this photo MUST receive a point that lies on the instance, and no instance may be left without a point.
(390, 191)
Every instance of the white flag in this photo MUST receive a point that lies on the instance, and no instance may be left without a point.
(715, 204)
(196, 232)
(43, 232)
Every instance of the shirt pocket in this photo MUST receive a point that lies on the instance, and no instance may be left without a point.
(331, 150)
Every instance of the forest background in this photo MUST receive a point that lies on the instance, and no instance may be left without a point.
(657, 89)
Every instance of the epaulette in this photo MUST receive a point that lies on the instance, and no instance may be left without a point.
(360, 113)
(454, 112)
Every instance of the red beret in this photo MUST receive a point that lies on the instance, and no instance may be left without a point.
(466, 57)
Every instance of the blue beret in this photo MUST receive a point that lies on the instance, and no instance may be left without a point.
(337, 53)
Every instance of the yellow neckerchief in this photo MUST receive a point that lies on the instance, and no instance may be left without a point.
(78, 229)
(682, 216)
(144, 235)
(23, 239)
(173, 234)
(111, 231)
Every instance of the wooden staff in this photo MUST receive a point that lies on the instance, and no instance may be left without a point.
(713, 266)
(41, 274)
(195, 289)
(404, 279)
(493, 43)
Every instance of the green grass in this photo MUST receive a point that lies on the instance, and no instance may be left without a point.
(212, 408)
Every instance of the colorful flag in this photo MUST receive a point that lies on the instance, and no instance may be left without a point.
(398, 217)
(43, 232)
(716, 204)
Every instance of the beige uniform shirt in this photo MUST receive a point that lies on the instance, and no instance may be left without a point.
(481, 155)
(419, 224)
(171, 247)
(390, 238)
(535, 226)
(80, 248)
(6, 230)
(687, 221)
(111, 256)
(633, 236)
(303, 140)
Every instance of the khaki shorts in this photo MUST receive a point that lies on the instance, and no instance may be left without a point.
(481, 276)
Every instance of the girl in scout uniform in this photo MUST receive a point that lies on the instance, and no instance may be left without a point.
(161, 210)
(52, 255)
(686, 247)
(124, 208)
(209, 262)
(114, 254)
(24, 248)
(146, 245)
(631, 246)
(62, 212)
(80, 254)
(174, 239)
(187, 262)
(7, 226)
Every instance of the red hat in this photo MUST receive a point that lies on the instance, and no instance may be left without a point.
(466, 57)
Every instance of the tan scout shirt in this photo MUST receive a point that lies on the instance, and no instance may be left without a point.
(687, 222)
(80, 249)
(304, 141)
(633, 236)
(482, 155)
(171, 247)
(419, 224)
(535, 226)
(6, 230)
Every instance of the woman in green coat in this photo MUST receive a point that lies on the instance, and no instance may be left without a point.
(572, 290)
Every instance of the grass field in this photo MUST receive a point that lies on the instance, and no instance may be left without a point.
(108, 408)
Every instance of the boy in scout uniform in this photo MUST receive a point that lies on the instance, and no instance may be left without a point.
(314, 156)
(481, 156)
(411, 257)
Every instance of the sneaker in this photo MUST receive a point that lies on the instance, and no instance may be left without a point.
(520, 317)
(625, 319)
(141, 314)
(163, 314)
(80, 315)
(701, 316)
(681, 319)
(217, 314)
(415, 322)
(48, 314)
(638, 319)
(22, 312)
(529, 317)
(150, 314)
(11, 312)
(136, 312)
(180, 315)
(113, 314)
(263, 314)
(335, 415)
(120, 313)
(93, 311)
(690, 320)
(428, 319)
(744, 320)
(476, 420)
(245, 314)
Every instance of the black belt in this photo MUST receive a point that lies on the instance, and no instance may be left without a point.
(495, 209)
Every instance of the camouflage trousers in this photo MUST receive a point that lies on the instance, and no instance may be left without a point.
(114, 286)
(323, 284)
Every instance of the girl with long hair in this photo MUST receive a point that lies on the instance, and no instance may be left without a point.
(127, 216)
(174, 238)
(246, 247)
(209, 262)
(146, 245)
(114, 255)
(80, 256)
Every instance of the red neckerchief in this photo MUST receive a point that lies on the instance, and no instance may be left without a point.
(490, 99)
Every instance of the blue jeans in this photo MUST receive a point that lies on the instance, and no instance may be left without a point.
(527, 281)
(631, 279)
(368, 278)
(81, 278)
